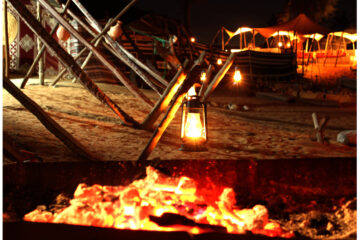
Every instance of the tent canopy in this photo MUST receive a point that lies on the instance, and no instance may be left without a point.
(301, 25)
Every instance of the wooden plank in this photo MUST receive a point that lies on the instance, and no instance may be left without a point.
(48, 122)
(119, 75)
(69, 62)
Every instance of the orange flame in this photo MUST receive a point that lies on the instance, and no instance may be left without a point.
(193, 126)
(131, 207)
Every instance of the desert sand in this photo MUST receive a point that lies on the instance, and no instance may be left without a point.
(264, 129)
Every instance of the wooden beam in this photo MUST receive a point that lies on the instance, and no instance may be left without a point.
(116, 46)
(69, 62)
(219, 76)
(48, 122)
(83, 65)
(165, 99)
(6, 44)
(39, 45)
(170, 114)
(123, 79)
(41, 51)
(319, 128)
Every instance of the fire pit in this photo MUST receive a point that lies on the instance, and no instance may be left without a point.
(283, 186)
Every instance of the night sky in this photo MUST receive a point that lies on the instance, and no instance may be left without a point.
(207, 16)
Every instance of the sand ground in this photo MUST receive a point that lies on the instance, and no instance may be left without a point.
(269, 129)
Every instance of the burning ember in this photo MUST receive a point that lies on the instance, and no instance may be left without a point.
(160, 203)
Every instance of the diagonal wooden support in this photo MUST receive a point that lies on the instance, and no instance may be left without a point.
(69, 62)
(41, 51)
(165, 99)
(92, 32)
(320, 128)
(219, 76)
(119, 75)
(168, 94)
(119, 51)
(192, 77)
(48, 122)
(83, 65)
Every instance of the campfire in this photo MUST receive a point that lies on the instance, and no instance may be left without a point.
(160, 203)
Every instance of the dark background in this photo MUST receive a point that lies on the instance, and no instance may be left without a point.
(207, 16)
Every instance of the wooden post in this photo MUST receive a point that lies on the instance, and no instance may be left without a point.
(127, 83)
(170, 114)
(219, 76)
(222, 38)
(165, 99)
(39, 45)
(6, 44)
(122, 53)
(69, 62)
(48, 122)
(41, 51)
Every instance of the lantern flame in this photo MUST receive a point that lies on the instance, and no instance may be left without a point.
(193, 126)
(219, 61)
(192, 39)
(280, 44)
(237, 76)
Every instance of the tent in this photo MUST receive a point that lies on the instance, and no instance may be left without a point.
(301, 25)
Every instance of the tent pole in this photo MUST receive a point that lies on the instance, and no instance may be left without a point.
(337, 52)
(222, 38)
(326, 46)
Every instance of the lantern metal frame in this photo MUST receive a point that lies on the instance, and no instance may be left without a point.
(192, 104)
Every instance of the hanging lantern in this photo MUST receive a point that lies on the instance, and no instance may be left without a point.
(219, 61)
(203, 76)
(193, 123)
(288, 44)
(62, 34)
(280, 44)
(237, 75)
(192, 39)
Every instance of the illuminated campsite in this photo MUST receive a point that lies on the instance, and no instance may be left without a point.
(129, 120)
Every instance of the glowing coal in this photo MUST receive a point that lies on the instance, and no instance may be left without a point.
(159, 203)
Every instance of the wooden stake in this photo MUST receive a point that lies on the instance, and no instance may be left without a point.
(48, 122)
(127, 83)
(41, 51)
(219, 76)
(319, 129)
(6, 47)
(69, 62)
(39, 45)
(170, 114)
